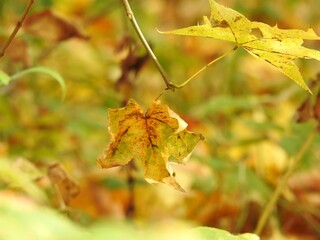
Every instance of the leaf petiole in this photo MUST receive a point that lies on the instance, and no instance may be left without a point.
(170, 85)
(178, 86)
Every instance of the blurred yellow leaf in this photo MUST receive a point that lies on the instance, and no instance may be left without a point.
(66, 187)
(268, 159)
(17, 176)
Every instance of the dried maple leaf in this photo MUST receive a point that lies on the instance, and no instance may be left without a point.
(279, 47)
(131, 65)
(150, 139)
(52, 27)
(66, 188)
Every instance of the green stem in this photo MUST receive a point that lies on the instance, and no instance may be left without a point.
(205, 67)
(281, 186)
(16, 29)
(146, 45)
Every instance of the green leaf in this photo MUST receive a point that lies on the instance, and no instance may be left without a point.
(17, 178)
(207, 233)
(149, 138)
(180, 145)
(4, 78)
(23, 219)
(278, 47)
(44, 70)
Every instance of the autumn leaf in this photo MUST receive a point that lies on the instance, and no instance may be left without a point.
(207, 233)
(278, 47)
(52, 27)
(150, 139)
(66, 188)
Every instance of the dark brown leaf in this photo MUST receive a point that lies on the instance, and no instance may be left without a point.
(52, 27)
(131, 65)
(66, 188)
(316, 108)
(304, 112)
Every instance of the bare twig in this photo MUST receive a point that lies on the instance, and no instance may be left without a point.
(131, 181)
(169, 84)
(16, 29)
(281, 186)
(146, 45)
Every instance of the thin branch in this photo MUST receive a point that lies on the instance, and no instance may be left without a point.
(169, 84)
(281, 186)
(146, 45)
(16, 29)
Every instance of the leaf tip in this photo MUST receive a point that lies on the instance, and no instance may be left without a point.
(159, 31)
(305, 87)
(173, 183)
(105, 162)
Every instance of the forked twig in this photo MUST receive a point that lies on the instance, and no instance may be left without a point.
(169, 84)
(16, 29)
(145, 43)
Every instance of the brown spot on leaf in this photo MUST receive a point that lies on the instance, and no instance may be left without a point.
(223, 24)
(237, 18)
(256, 32)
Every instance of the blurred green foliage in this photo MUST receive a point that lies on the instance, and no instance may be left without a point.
(245, 110)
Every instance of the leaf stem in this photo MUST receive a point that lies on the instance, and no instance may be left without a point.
(16, 29)
(281, 186)
(131, 181)
(136, 27)
(203, 68)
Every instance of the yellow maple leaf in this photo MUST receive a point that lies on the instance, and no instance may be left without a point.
(279, 47)
(148, 138)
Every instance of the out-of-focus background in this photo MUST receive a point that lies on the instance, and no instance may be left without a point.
(245, 108)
